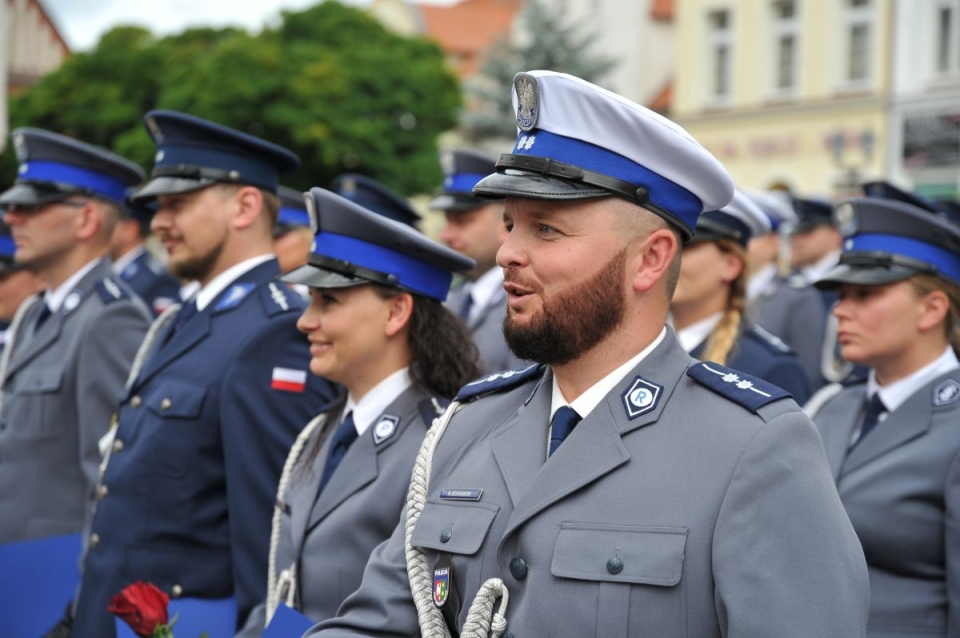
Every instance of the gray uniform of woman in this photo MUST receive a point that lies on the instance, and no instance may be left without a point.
(329, 537)
(901, 489)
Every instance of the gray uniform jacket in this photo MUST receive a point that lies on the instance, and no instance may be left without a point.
(329, 537)
(794, 313)
(699, 517)
(62, 385)
(486, 327)
(901, 488)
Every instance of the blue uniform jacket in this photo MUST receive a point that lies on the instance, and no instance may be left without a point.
(147, 277)
(760, 354)
(186, 499)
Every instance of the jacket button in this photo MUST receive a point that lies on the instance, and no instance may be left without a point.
(135, 401)
(176, 591)
(518, 567)
(445, 535)
(614, 565)
(117, 445)
(102, 491)
(94, 541)
(165, 404)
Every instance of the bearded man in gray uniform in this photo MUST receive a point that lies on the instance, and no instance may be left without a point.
(621, 488)
(69, 349)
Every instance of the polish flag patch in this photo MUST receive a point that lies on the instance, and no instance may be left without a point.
(289, 380)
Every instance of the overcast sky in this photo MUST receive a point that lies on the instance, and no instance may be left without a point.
(83, 21)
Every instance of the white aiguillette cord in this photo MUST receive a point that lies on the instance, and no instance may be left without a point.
(481, 620)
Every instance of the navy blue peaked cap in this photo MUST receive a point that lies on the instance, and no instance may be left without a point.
(811, 213)
(53, 167)
(462, 170)
(374, 196)
(193, 153)
(949, 209)
(885, 190)
(293, 212)
(354, 246)
(886, 241)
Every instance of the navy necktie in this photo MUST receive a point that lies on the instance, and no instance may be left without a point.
(343, 438)
(562, 424)
(467, 307)
(871, 416)
(187, 311)
(43, 316)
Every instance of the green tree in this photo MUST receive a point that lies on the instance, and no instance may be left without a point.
(551, 43)
(329, 82)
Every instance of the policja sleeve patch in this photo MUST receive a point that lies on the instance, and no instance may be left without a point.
(749, 391)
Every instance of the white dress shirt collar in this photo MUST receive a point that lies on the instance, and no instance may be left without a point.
(696, 333)
(895, 394)
(591, 398)
(813, 272)
(483, 289)
(759, 281)
(55, 298)
(219, 283)
(373, 403)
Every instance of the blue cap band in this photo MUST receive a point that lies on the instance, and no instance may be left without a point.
(98, 183)
(7, 246)
(774, 222)
(293, 217)
(252, 171)
(461, 182)
(946, 261)
(411, 273)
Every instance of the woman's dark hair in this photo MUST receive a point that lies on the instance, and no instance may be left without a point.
(443, 356)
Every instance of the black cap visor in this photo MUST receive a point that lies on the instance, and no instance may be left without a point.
(168, 185)
(872, 269)
(534, 186)
(35, 194)
(802, 226)
(317, 277)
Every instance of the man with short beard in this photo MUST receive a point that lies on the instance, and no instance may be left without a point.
(218, 395)
(619, 488)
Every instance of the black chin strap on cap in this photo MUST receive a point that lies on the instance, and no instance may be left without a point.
(186, 171)
(548, 167)
(886, 260)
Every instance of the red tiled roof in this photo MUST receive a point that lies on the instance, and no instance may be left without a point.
(466, 30)
(661, 9)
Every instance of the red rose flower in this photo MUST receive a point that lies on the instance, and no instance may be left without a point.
(144, 607)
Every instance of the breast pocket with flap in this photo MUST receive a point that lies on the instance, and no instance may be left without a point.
(34, 415)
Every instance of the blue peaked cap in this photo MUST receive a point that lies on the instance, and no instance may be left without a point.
(293, 212)
(54, 167)
(354, 246)
(886, 241)
(373, 195)
(463, 169)
(193, 153)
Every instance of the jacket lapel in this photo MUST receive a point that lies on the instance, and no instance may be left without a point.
(49, 332)
(197, 329)
(910, 420)
(836, 438)
(360, 465)
(305, 482)
(595, 448)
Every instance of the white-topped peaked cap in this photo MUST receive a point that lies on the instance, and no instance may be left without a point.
(739, 220)
(577, 140)
(776, 207)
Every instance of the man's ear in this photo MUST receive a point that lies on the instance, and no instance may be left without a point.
(249, 203)
(653, 260)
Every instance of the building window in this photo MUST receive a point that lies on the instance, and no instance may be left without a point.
(720, 47)
(858, 19)
(946, 39)
(786, 42)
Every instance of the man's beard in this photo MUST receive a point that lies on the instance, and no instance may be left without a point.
(573, 322)
(197, 268)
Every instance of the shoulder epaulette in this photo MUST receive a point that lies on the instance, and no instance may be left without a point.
(432, 408)
(110, 291)
(155, 266)
(749, 391)
(797, 281)
(234, 295)
(767, 338)
(277, 298)
(498, 382)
